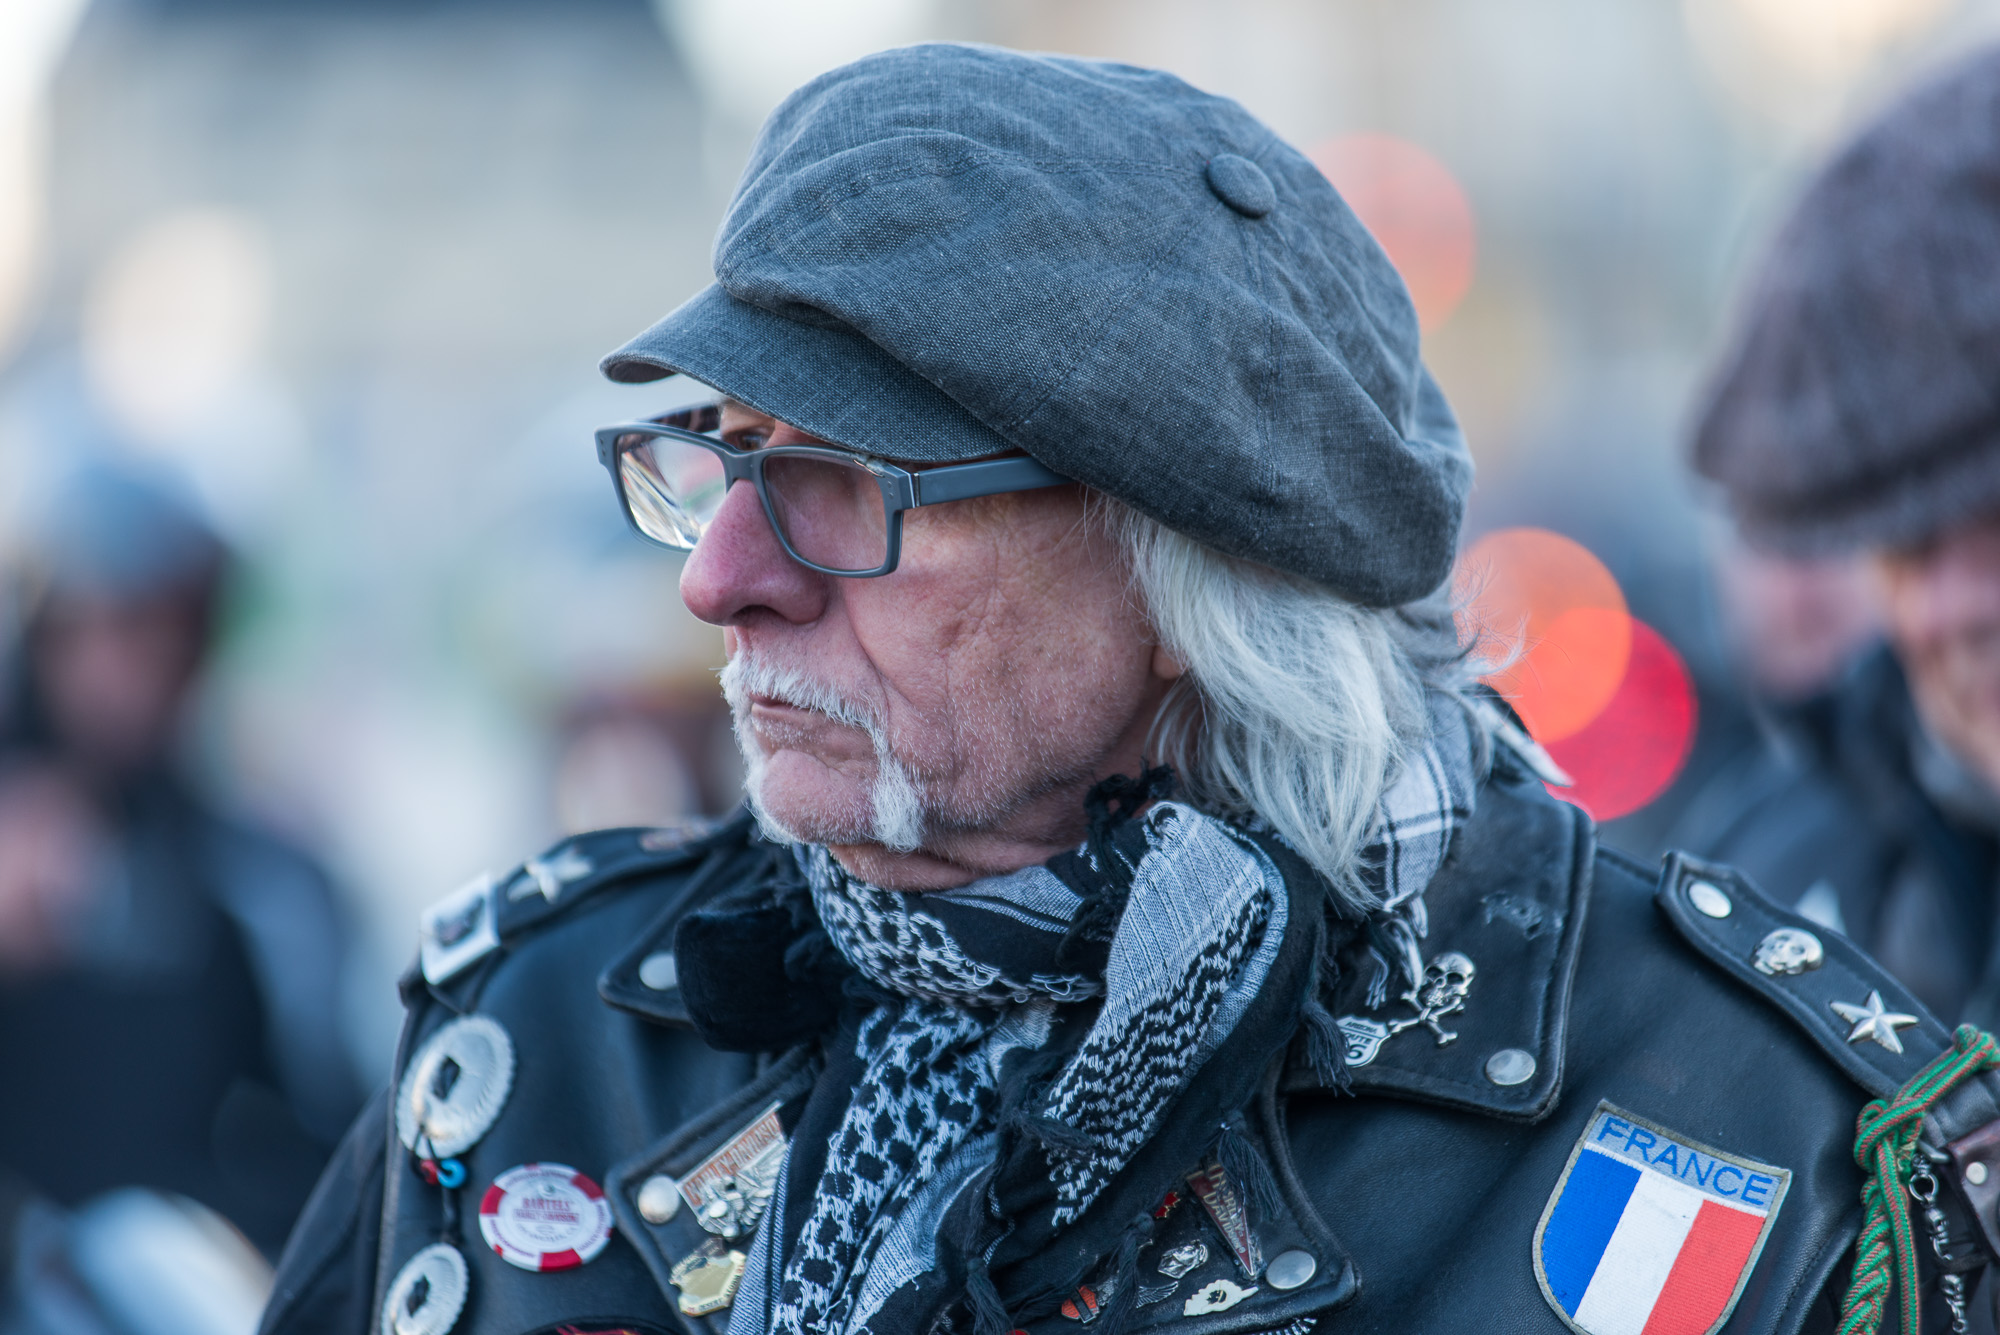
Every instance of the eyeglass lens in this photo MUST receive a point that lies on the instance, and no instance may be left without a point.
(673, 488)
(830, 512)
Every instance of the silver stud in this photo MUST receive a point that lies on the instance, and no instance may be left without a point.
(1709, 899)
(1289, 1270)
(1975, 1173)
(659, 971)
(1873, 1021)
(1510, 1066)
(1788, 951)
(550, 877)
(659, 1199)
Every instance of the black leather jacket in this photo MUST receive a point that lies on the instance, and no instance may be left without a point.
(1418, 1195)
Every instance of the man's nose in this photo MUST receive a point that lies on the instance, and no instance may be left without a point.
(740, 566)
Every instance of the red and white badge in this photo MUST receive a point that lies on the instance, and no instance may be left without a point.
(545, 1216)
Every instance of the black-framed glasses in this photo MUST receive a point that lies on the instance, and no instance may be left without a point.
(835, 511)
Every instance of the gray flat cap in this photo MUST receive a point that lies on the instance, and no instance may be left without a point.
(945, 251)
(1859, 403)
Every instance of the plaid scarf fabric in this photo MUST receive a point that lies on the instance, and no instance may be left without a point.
(1424, 807)
(975, 975)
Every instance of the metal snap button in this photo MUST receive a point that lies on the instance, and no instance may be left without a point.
(659, 1199)
(1709, 900)
(659, 971)
(1289, 1270)
(1510, 1066)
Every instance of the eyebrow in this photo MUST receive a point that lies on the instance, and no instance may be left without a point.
(914, 465)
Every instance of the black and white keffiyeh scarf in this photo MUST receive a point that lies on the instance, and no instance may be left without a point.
(975, 974)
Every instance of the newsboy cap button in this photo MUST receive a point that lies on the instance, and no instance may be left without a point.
(1242, 185)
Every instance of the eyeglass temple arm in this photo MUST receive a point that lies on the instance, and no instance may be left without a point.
(988, 477)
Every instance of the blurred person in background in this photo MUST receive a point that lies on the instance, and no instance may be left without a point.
(658, 754)
(1854, 427)
(170, 975)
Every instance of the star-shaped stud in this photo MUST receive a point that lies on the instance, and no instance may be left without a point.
(1873, 1021)
(550, 877)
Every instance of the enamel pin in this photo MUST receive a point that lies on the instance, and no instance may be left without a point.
(458, 931)
(707, 1278)
(1650, 1231)
(545, 1216)
(1442, 991)
(730, 1188)
(1223, 1200)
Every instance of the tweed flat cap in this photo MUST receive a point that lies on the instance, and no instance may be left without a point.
(948, 251)
(1859, 403)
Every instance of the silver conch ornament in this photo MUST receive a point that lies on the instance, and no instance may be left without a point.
(454, 1088)
(427, 1294)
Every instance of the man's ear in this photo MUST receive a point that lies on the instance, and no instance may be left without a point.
(1165, 666)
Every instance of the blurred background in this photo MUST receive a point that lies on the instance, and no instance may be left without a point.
(321, 285)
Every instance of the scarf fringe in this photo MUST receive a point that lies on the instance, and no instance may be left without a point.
(1240, 1159)
(1116, 1313)
(1056, 1136)
(1101, 871)
(1326, 1046)
(989, 1314)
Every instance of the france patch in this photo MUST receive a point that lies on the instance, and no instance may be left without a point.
(1650, 1233)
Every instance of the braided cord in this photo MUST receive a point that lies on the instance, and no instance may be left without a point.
(1885, 1145)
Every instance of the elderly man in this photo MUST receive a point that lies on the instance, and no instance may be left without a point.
(1856, 414)
(1139, 919)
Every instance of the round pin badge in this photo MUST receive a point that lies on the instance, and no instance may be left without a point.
(545, 1216)
(454, 1088)
(427, 1294)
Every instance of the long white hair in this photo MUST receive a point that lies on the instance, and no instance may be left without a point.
(1296, 706)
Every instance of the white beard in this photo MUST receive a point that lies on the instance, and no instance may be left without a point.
(896, 805)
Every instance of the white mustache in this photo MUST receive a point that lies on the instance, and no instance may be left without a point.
(897, 806)
(744, 676)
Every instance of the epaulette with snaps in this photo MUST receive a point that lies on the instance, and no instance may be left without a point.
(1869, 1024)
(469, 924)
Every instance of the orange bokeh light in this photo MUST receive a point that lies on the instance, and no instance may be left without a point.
(1555, 617)
(1417, 211)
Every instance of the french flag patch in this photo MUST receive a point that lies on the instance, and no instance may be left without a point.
(1650, 1233)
